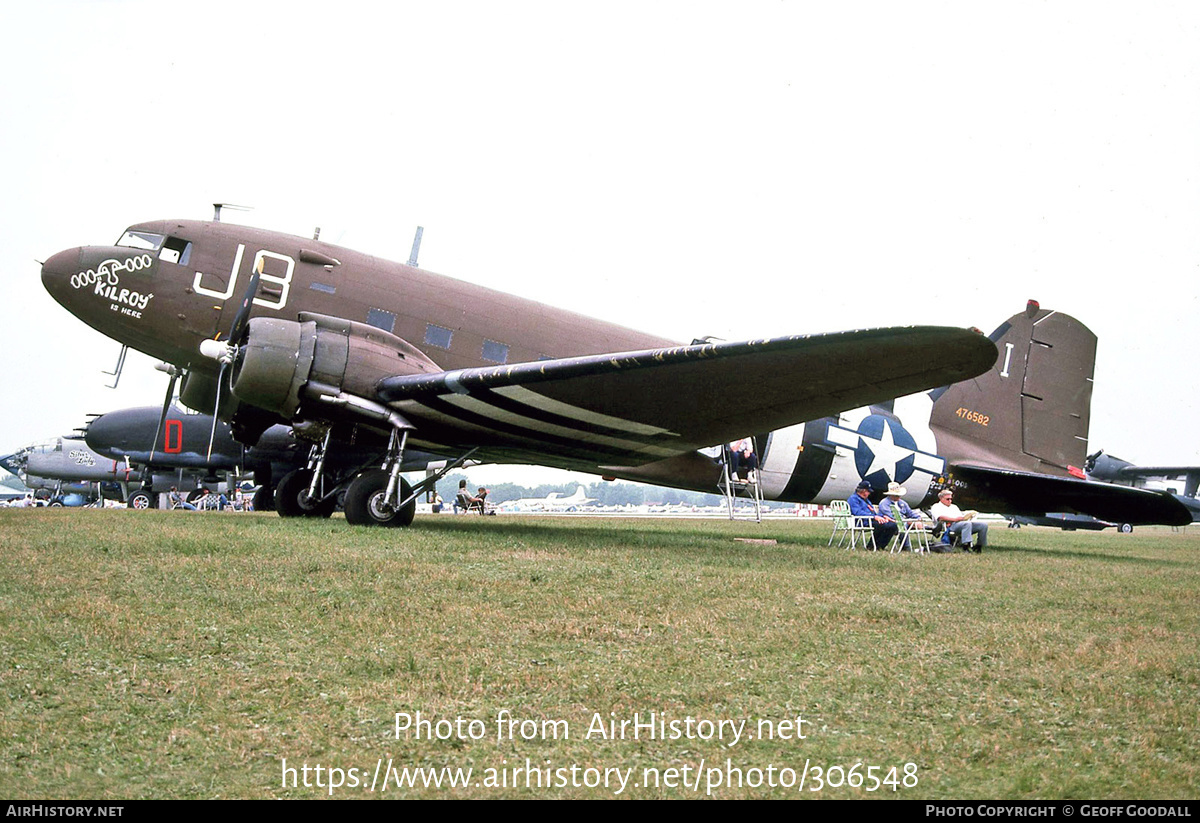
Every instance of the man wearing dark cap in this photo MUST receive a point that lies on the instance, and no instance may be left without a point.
(864, 511)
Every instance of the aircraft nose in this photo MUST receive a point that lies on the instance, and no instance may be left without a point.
(58, 270)
(103, 433)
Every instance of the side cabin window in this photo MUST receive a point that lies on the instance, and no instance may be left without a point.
(494, 352)
(176, 250)
(381, 319)
(438, 336)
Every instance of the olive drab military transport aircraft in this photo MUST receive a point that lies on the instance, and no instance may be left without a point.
(348, 349)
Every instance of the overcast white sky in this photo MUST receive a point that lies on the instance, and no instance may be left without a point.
(736, 169)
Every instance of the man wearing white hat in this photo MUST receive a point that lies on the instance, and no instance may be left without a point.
(894, 507)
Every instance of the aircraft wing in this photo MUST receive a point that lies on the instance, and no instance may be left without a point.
(631, 408)
(1012, 492)
(1158, 472)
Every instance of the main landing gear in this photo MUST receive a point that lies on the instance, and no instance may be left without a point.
(374, 497)
(142, 499)
(381, 497)
(292, 498)
(307, 492)
(369, 504)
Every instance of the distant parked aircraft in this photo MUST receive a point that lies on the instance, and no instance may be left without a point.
(553, 502)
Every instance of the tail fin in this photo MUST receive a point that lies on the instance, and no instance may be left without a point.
(1031, 411)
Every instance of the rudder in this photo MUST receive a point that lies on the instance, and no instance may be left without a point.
(1032, 410)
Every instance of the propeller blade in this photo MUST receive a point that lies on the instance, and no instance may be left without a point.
(212, 435)
(243, 314)
(240, 321)
(162, 418)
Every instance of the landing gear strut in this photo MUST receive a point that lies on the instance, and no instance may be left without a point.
(367, 501)
(292, 498)
(301, 493)
(381, 497)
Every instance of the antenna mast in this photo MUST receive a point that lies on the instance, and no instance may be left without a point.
(412, 258)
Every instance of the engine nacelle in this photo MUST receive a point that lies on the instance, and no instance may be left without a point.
(281, 356)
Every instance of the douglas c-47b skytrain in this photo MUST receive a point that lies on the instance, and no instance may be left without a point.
(348, 349)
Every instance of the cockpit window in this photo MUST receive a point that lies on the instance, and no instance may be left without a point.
(135, 239)
(176, 250)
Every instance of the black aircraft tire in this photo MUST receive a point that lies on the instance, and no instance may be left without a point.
(363, 500)
(1125, 528)
(290, 500)
(264, 499)
(141, 500)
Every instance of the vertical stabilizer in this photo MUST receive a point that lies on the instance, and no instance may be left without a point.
(1031, 411)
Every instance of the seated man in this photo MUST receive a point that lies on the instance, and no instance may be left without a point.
(864, 511)
(210, 500)
(893, 506)
(177, 502)
(743, 462)
(972, 536)
(468, 503)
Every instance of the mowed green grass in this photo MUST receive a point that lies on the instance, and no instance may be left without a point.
(171, 654)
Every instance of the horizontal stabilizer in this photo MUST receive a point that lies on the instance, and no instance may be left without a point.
(1158, 472)
(1011, 492)
(633, 407)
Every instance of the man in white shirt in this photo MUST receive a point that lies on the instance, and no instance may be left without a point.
(972, 536)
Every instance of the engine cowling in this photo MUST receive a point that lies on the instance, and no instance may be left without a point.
(280, 357)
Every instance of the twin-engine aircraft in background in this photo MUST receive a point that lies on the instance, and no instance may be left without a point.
(1110, 469)
(171, 447)
(165, 447)
(120, 456)
(68, 469)
(351, 350)
(1106, 468)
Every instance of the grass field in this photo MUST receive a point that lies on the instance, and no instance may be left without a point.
(164, 655)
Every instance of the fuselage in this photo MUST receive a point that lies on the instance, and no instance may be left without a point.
(169, 284)
(129, 434)
(72, 460)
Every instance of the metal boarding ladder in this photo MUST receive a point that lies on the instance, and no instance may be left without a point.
(734, 489)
